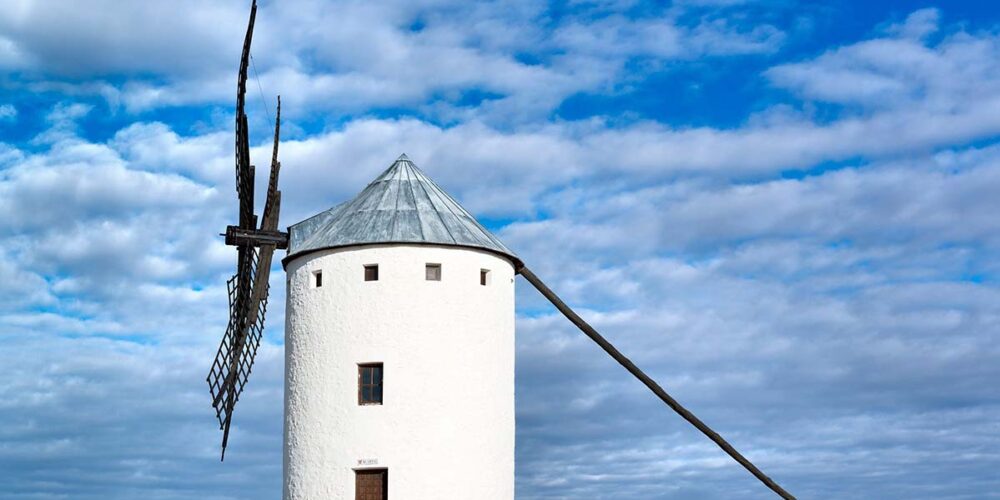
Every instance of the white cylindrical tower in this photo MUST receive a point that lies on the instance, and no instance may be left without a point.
(399, 349)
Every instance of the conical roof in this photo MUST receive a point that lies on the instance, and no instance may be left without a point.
(402, 205)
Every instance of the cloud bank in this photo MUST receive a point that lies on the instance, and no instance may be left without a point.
(817, 282)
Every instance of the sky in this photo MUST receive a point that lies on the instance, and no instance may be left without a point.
(785, 212)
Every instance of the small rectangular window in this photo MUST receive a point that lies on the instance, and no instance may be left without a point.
(433, 272)
(371, 272)
(484, 277)
(370, 384)
(317, 278)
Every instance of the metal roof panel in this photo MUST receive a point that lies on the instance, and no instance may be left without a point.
(402, 205)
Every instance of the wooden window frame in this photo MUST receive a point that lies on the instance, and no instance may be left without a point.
(374, 274)
(372, 385)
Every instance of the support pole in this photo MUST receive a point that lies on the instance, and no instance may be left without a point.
(650, 383)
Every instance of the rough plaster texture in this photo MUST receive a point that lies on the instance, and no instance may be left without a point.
(445, 429)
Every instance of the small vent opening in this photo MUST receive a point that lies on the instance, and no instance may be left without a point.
(317, 279)
(484, 277)
(371, 272)
(433, 272)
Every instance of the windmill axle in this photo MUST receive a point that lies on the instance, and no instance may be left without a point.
(237, 236)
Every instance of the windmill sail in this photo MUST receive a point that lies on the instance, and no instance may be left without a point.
(248, 288)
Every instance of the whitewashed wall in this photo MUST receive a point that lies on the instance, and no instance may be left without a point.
(446, 428)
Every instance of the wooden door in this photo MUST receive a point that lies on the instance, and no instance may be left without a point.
(371, 484)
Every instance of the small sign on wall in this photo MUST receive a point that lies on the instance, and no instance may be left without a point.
(367, 461)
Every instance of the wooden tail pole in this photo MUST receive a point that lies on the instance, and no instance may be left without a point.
(650, 383)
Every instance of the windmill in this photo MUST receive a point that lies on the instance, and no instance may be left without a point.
(384, 307)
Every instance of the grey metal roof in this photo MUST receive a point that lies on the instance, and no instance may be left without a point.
(402, 205)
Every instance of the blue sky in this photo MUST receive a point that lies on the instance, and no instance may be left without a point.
(785, 212)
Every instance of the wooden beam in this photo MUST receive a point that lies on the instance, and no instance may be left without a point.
(237, 236)
(650, 383)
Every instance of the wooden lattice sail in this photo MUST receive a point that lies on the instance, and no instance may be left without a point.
(248, 288)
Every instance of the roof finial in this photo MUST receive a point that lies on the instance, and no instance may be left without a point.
(403, 157)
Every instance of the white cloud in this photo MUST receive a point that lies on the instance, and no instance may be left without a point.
(62, 121)
(8, 113)
(22, 289)
(103, 37)
(84, 414)
(10, 53)
(918, 24)
(88, 180)
(351, 56)
(750, 314)
(502, 172)
(954, 74)
(842, 324)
